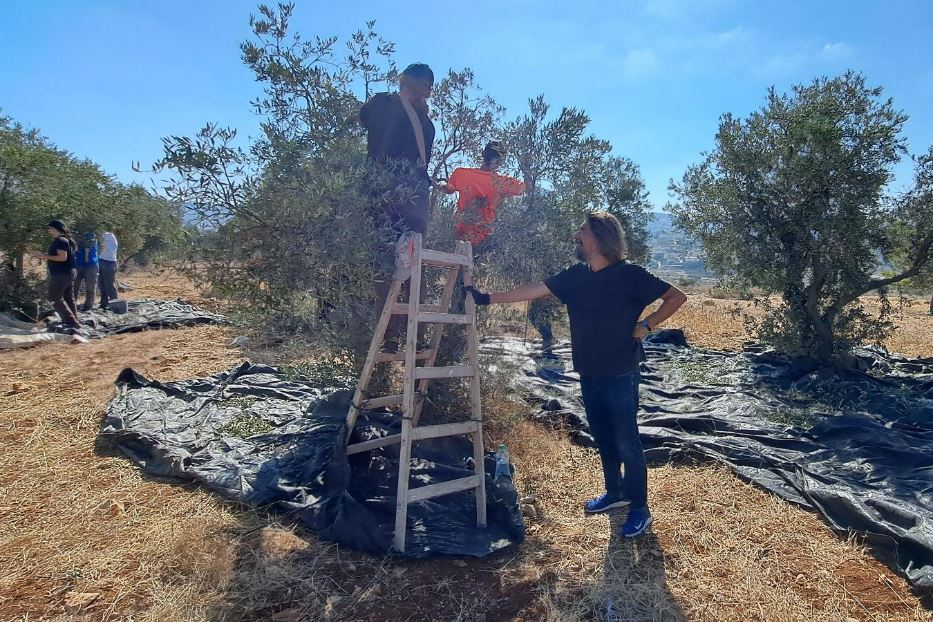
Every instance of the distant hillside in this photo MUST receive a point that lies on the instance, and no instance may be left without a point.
(673, 254)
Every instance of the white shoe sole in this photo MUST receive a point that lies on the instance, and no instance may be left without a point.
(643, 529)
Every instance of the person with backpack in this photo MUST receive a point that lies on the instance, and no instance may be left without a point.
(86, 267)
(61, 268)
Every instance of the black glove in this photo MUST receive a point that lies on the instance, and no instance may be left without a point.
(478, 297)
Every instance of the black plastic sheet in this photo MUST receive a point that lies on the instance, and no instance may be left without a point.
(854, 445)
(258, 437)
(140, 315)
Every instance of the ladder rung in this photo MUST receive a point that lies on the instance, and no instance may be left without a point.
(382, 357)
(446, 260)
(464, 371)
(379, 402)
(401, 308)
(373, 444)
(445, 429)
(444, 488)
(418, 434)
(444, 318)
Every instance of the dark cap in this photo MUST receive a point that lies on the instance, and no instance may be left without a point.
(494, 150)
(419, 70)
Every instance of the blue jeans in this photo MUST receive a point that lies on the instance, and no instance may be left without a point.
(611, 404)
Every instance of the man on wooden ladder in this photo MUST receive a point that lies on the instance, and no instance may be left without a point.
(400, 136)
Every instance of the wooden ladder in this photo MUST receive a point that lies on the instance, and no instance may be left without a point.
(412, 398)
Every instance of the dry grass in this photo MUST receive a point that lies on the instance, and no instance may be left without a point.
(79, 519)
(709, 324)
(720, 549)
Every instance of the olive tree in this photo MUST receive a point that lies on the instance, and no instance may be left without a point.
(792, 200)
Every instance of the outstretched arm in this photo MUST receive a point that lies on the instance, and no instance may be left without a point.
(519, 294)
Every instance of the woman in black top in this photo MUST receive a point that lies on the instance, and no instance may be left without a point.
(61, 263)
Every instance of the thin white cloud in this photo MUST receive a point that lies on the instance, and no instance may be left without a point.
(809, 57)
(836, 50)
(639, 61)
(663, 8)
(728, 37)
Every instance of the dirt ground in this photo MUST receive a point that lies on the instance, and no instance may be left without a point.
(88, 536)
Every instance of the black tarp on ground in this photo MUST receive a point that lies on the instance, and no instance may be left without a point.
(140, 315)
(255, 436)
(856, 446)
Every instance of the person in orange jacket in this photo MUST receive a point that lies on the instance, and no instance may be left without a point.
(481, 190)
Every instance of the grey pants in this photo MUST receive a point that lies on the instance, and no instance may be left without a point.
(108, 282)
(88, 276)
(62, 297)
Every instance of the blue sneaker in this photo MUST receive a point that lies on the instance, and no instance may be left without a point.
(637, 522)
(604, 502)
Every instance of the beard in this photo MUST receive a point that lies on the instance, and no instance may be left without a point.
(580, 253)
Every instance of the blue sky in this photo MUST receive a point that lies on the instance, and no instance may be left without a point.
(108, 79)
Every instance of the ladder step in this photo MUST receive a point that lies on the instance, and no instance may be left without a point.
(464, 371)
(418, 434)
(401, 308)
(373, 444)
(444, 318)
(444, 488)
(383, 357)
(445, 260)
(379, 402)
(445, 429)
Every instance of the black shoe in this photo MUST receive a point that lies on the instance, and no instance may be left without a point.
(104, 307)
(389, 346)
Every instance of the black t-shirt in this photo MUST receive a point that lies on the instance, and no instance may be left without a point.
(390, 135)
(603, 307)
(61, 267)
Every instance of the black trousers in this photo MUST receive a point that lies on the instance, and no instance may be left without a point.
(62, 296)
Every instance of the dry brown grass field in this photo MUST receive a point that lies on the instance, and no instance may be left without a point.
(88, 536)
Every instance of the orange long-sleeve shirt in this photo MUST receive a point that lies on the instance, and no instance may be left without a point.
(480, 194)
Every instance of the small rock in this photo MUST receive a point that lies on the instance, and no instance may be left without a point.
(378, 590)
(459, 563)
(530, 499)
(356, 592)
(398, 571)
(117, 508)
(18, 387)
(292, 614)
(530, 511)
(240, 341)
(351, 567)
(76, 601)
(330, 606)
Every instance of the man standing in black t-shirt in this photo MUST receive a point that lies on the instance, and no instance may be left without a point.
(605, 296)
(61, 267)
